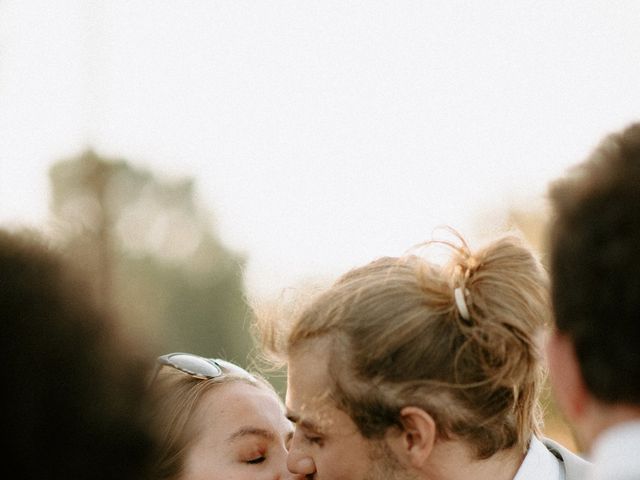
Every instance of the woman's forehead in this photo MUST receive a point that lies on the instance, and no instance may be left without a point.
(229, 404)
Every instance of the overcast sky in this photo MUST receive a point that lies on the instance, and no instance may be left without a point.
(322, 134)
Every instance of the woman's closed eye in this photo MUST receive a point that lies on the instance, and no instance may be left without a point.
(256, 460)
(253, 454)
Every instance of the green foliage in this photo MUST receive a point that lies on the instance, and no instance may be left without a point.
(153, 255)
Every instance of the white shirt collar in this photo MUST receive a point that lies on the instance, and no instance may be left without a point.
(540, 464)
(615, 452)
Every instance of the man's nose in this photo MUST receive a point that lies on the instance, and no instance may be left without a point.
(300, 463)
(292, 476)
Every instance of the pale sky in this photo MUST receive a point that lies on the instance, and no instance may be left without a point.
(322, 134)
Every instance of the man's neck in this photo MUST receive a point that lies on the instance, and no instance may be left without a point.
(454, 460)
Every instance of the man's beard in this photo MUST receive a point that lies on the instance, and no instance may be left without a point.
(385, 465)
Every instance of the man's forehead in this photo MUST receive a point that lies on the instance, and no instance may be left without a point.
(320, 414)
(308, 392)
(307, 368)
(308, 398)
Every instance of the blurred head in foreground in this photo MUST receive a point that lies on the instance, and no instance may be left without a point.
(594, 242)
(74, 397)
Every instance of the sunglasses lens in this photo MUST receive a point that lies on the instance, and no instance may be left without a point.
(233, 369)
(195, 365)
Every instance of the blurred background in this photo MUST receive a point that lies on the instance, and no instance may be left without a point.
(197, 156)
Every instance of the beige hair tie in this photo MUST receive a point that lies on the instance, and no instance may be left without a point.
(461, 303)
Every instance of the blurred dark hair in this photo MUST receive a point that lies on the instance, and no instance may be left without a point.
(595, 265)
(74, 393)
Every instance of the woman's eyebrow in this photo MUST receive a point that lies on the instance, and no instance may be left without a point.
(246, 431)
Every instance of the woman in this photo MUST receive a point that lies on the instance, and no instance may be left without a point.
(218, 421)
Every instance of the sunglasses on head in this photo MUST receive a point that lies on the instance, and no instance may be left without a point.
(201, 367)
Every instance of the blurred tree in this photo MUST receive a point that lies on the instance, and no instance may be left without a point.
(153, 254)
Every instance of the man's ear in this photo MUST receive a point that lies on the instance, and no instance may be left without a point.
(566, 377)
(418, 435)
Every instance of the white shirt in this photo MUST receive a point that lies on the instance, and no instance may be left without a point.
(540, 464)
(616, 453)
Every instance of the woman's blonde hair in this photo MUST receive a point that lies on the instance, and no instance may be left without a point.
(400, 337)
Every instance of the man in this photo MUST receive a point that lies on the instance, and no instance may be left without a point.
(405, 370)
(74, 396)
(594, 354)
